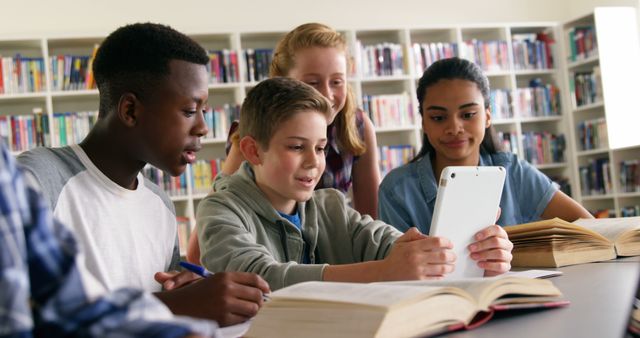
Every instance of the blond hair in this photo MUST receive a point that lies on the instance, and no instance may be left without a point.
(272, 102)
(319, 35)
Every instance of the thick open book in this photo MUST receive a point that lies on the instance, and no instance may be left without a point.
(555, 243)
(395, 309)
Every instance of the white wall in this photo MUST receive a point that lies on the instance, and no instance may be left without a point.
(577, 8)
(44, 18)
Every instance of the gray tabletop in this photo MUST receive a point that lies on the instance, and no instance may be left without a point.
(601, 295)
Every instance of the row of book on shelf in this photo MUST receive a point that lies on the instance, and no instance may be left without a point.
(586, 87)
(394, 110)
(595, 177)
(21, 74)
(537, 100)
(202, 174)
(582, 43)
(24, 132)
(593, 134)
(538, 147)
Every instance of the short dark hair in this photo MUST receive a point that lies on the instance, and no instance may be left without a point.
(134, 57)
(272, 102)
(450, 69)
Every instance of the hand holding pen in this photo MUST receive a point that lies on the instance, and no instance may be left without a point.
(201, 271)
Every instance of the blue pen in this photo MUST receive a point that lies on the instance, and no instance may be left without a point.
(197, 269)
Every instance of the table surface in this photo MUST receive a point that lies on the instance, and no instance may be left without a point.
(601, 296)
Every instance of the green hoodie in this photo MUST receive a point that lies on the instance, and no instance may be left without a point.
(239, 230)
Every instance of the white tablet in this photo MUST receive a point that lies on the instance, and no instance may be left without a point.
(467, 202)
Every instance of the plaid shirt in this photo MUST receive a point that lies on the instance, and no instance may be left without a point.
(338, 172)
(46, 291)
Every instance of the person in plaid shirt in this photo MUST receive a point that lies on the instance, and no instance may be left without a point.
(46, 291)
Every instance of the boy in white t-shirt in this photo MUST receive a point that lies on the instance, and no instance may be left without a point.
(153, 86)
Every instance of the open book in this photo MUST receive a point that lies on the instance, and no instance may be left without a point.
(555, 243)
(395, 309)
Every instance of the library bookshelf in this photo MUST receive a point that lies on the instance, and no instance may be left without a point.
(608, 178)
(387, 89)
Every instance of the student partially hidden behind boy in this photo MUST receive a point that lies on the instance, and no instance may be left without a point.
(267, 219)
(153, 91)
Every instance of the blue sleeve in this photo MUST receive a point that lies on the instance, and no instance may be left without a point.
(535, 190)
(390, 210)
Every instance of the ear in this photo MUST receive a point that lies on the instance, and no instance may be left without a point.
(488, 119)
(128, 109)
(250, 150)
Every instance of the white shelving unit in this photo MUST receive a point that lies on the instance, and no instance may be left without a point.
(610, 26)
(233, 93)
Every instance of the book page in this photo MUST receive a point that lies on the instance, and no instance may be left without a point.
(374, 294)
(485, 290)
(610, 228)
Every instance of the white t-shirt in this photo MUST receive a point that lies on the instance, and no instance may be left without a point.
(127, 235)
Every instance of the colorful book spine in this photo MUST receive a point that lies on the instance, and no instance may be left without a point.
(501, 104)
(630, 175)
(509, 141)
(382, 59)
(595, 177)
(223, 66)
(203, 173)
(532, 51)
(173, 186)
(21, 75)
(586, 87)
(257, 63)
(489, 55)
(630, 211)
(424, 54)
(219, 120)
(582, 43)
(72, 127)
(25, 132)
(543, 147)
(593, 134)
(388, 111)
(72, 72)
(394, 156)
(538, 100)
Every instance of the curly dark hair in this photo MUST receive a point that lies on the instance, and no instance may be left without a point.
(449, 69)
(134, 57)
